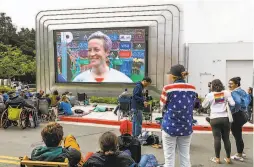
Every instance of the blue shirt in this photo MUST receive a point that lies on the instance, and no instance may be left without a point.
(178, 100)
(66, 108)
(5, 96)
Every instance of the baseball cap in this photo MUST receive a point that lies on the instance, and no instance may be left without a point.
(177, 70)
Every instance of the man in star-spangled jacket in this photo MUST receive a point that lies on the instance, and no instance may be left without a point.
(177, 100)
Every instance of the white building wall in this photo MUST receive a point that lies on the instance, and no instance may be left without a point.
(209, 61)
(205, 21)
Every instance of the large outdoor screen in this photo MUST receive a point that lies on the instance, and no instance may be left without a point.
(111, 55)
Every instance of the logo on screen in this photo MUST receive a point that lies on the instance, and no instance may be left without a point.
(125, 45)
(115, 45)
(125, 54)
(138, 54)
(113, 37)
(139, 37)
(85, 37)
(83, 45)
(139, 46)
(66, 37)
(125, 37)
(114, 54)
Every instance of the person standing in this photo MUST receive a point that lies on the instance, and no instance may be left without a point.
(218, 99)
(250, 107)
(177, 101)
(137, 105)
(239, 113)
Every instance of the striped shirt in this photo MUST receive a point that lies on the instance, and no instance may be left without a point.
(177, 100)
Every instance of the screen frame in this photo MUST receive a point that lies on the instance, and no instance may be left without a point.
(98, 29)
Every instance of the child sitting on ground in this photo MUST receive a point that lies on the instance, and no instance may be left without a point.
(52, 136)
(65, 106)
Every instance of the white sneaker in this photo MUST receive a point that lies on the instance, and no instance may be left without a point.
(243, 155)
(237, 158)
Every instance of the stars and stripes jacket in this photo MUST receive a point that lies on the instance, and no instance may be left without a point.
(177, 100)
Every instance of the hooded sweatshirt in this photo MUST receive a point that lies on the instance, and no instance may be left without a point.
(56, 154)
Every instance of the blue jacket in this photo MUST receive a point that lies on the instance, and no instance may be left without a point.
(138, 98)
(66, 107)
(242, 100)
(178, 99)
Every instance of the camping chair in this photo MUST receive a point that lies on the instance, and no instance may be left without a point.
(26, 162)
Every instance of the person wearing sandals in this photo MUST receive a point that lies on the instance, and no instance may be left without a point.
(218, 99)
(240, 115)
(177, 101)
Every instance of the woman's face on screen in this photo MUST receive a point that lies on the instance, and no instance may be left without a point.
(96, 52)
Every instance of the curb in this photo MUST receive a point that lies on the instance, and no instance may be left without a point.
(145, 125)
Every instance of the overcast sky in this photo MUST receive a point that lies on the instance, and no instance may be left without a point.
(205, 20)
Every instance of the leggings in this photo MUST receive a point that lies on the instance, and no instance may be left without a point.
(236, 129)
(221, 129)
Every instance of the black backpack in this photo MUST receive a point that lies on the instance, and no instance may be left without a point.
(128, 142)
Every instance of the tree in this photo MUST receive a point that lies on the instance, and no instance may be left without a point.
(24, 39)
(14, 63)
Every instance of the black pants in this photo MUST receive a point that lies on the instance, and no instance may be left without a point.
(221, 129)
(236, 129)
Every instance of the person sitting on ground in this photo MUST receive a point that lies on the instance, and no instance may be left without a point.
(5, 96)
(54, 98)
(71, 98)
(28, 94)
(65, 106)
(52, 136)
(109, 156)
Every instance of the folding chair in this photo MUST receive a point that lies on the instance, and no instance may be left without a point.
(26, 162)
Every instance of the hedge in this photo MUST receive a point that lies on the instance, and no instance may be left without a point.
(107, 100)
(110, 100)
(5, 88)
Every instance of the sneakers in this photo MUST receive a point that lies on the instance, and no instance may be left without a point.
(237, 157)
(227, 160)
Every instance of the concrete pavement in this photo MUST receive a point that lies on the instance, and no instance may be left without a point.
(16, 142)
(109, 118)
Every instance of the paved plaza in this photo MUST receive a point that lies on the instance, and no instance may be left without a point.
(16, 142)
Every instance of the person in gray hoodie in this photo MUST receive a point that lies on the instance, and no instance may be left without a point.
(52, 136)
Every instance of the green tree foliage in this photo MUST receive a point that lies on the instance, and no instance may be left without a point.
(15, 63)
(17, 50)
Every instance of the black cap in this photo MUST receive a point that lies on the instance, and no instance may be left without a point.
(177, 70)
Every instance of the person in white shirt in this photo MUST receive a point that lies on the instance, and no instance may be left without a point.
(99, 47)
(218, 99)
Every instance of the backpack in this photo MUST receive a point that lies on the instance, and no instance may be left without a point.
(148, 138)
(245, 99)
(78, 111)
(127, 142)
